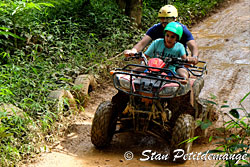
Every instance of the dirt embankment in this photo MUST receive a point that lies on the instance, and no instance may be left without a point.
(223, 41)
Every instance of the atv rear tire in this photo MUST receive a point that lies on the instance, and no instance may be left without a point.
(103, 125)
(183, 130)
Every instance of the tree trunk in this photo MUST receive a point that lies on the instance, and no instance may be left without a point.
(121, 3)
(133, 9)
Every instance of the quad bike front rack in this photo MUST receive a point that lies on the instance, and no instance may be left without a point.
(145, 85)
(150, 84)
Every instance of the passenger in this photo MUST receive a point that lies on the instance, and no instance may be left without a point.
(167, 14)
(169, 47)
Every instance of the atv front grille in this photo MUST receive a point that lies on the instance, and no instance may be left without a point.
(147, 85)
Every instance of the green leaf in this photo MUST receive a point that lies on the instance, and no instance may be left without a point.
(213, 96)
(198, 122)
(4, 28)
(232, 124)
(221, 142)
(233, 136)
(35, 71)
(216, 151)
(46, 4)
(219, 163)
(244, 97)
(6, 54)
(211, 102)
(189, 140)
(244, 124)
(210, 138)
(244, 161)
(248, 155)
(243, 118)
(11, 34)
(32, 5)
(64, 79)
(241, 146)
(235, 113)
(205, 124)
(77, 87)
(240, 109)
(225, 106)
(229, 122)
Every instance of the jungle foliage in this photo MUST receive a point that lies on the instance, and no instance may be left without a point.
(45, 44)
(232, 145)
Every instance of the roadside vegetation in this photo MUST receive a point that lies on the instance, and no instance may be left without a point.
(45, 44)
(233, 140)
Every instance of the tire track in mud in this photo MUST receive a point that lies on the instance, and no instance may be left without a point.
(223, 41)
(229, 85)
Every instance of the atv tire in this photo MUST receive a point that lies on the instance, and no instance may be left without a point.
(103, 125)
(87, 82)
(183, 130)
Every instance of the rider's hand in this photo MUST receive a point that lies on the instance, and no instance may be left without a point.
(193, 60)
(128, 53)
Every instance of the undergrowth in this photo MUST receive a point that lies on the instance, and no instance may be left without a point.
(233, 145)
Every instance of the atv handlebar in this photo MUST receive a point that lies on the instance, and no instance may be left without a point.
(137, 55)
(193, 69)
(167, 60)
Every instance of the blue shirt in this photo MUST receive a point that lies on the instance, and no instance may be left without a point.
(158, 49)
(157, 31)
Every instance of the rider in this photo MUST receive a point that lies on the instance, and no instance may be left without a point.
(169, 47)
(167, 14)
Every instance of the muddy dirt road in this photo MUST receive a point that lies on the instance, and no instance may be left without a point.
(223, 41)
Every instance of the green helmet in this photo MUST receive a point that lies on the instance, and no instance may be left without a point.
(175, 28)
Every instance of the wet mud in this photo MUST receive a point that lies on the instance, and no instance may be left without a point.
(223, 41)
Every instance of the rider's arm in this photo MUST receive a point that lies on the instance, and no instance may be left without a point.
(154, 32)
(193, 48)
(139, 46)
(142, 44)
(183, 57)
(194, 51)
(191, 44)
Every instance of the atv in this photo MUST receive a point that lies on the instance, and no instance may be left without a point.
(153, 100)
